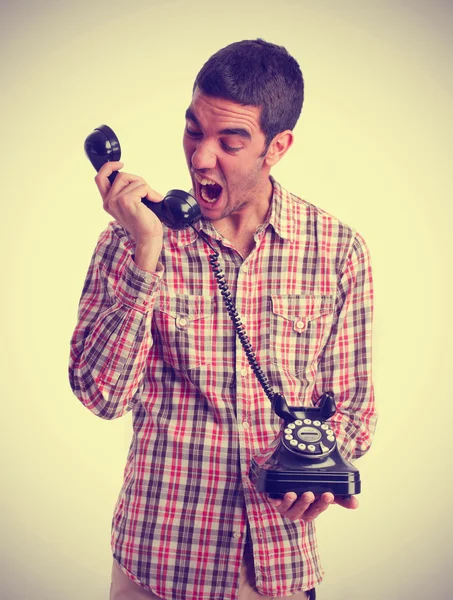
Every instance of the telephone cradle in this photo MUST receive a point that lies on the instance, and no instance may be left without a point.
(304, 456)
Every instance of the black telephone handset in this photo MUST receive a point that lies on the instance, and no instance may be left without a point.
(304, 456)
(177, 210)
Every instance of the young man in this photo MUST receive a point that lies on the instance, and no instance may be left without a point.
(154, 337)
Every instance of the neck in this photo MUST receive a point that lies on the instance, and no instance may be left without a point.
(251, 215)
(239, 228)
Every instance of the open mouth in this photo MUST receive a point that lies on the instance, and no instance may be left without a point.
(210, 191)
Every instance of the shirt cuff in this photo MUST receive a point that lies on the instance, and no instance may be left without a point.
(137, 288)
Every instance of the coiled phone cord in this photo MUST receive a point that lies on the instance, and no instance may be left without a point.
(237, 324)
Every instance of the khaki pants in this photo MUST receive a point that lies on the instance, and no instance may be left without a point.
(123, 588)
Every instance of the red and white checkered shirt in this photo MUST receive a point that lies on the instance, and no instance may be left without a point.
(163, 346)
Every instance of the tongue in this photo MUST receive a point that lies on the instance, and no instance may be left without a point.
(212, 191)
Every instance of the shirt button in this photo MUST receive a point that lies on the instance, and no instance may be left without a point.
(148, 279)
(244, 372)
(246, 425)
(182, 322)
(299, 325)
(236, 535)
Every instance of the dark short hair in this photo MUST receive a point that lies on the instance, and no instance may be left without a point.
(257, 73)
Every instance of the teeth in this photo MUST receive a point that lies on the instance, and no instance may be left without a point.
(204, 180)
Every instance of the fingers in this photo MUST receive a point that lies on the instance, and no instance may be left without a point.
(126, 193)
(102, 176)
(283, 505)
(318, 506)
(123, 200)
(300, 506)
(127, 200)
(125, 182)
(307, 507)
(293, 507)
(122, 182)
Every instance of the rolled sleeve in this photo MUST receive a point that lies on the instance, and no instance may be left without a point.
(345, 365)
(112, 338)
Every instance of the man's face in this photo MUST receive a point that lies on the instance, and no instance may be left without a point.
(223, 144)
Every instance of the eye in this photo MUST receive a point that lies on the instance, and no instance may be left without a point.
(230, 148)
(191, 133)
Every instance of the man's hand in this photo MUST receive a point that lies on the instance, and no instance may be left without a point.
(307, 507)
(123, 200)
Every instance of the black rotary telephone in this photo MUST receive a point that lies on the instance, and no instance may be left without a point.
(304, 456)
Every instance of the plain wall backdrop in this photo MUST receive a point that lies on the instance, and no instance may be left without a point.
(373, 147)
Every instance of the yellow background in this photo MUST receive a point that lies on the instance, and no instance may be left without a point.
(373, 147)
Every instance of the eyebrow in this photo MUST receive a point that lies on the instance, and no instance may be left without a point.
(240, 131)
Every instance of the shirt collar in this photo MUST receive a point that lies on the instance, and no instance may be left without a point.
(278, 217)
(280, 213)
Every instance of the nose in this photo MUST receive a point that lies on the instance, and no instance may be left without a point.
(203, 156)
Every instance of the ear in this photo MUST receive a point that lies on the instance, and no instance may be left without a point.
(279, 146)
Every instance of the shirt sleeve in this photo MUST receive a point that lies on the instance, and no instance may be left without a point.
(345, 365)
(112, 337)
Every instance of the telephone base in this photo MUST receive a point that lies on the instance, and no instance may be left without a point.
(277, 482)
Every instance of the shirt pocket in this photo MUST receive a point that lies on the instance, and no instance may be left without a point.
(300, 327)
(184, 324)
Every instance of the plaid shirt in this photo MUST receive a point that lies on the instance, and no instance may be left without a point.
(163, 346)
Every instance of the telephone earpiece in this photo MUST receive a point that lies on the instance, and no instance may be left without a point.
(177, 210)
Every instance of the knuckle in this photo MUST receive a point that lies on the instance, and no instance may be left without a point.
(122, 178)
(121, 200)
